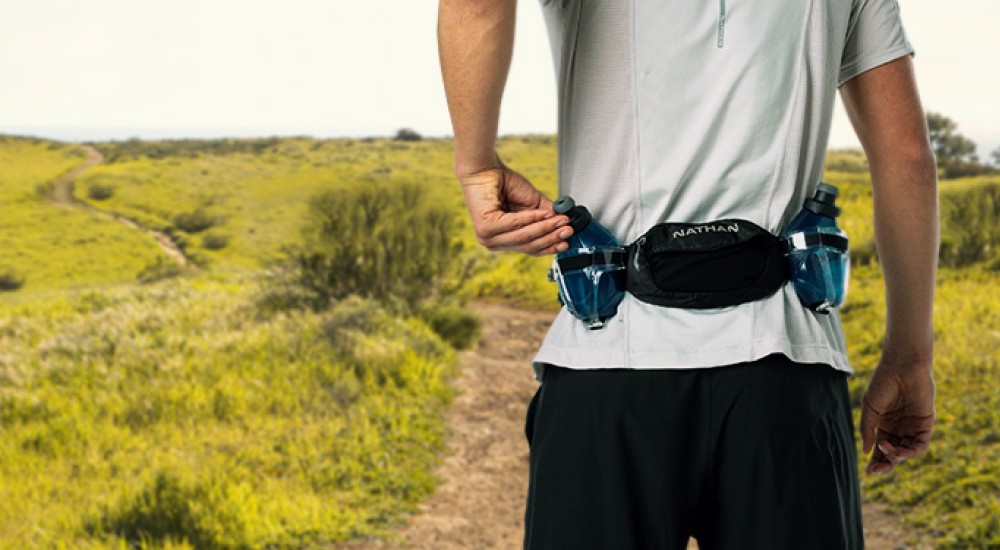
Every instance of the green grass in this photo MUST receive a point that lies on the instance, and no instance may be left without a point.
(51, 246)
(953, 491)
(182, 413)
(260, 200)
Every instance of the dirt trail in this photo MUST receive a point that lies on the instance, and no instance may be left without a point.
(480, 502)
(62, 193)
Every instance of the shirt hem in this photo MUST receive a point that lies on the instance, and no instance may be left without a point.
(650, 360)
(866, 64)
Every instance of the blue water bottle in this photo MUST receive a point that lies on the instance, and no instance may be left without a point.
(591, 272)
(817, 252)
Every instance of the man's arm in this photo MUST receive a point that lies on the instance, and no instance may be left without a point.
(475, 43)
(898, 408)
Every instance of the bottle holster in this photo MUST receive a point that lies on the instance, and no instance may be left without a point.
(698, 265)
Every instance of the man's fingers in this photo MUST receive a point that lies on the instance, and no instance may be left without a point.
(550, 243)
(532, 239)
(898, 453)
(879, 463)
(496, 224)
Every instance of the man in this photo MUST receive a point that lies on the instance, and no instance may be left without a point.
(731, 425)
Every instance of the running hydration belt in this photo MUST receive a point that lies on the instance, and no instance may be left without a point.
(705, 265)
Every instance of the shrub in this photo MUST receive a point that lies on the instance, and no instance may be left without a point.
(386, 243)
(158, 270)
(455, 324)
(952, 169)
(969, 230)
(44, 190)
(10, 280)
(198, 259)
(214, 241)
(195, 221)
(207, 514)
(100, 192)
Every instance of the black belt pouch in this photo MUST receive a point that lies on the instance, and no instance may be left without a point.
(705, 265)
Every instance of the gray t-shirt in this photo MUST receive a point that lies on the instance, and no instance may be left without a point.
(692, 111)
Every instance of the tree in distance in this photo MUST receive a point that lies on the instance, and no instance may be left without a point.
(407, 134)
(956, 154)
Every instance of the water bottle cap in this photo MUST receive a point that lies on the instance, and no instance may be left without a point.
(579, 216)
(563, 204)
(823, 202)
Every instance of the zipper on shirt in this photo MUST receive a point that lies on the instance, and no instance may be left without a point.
(722, 24)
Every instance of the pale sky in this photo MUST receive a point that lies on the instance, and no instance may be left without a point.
(99, 69)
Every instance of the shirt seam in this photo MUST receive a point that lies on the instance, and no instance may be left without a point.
(637, 159)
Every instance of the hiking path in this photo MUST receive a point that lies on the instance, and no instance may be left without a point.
(484, 477)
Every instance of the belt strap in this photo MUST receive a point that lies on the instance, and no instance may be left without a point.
(599, 257)
(801, 241)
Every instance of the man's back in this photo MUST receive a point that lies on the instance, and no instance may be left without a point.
(700, 111)
(718, 426)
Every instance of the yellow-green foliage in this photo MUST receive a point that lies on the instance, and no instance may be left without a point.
(953, 491)
(259, 192)
(181, 415)
(53, 246)
(177, 413)
(387, 242)
(970, 213)
(257, 196)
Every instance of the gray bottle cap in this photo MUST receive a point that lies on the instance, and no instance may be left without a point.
(579, 216)
(563, 205)
(824, 201)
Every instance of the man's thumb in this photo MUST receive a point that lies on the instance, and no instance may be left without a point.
(869, 422)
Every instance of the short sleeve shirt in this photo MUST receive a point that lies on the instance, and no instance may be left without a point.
(698, 110)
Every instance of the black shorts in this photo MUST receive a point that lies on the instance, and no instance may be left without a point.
(755, 455)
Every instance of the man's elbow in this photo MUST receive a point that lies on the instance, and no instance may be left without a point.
(913, 155)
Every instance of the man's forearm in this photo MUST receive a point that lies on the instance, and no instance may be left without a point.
(907, 236)
(886, 111)
(475, 43)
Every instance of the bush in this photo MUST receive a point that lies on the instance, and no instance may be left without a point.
(960, 169)
(455, 324)
(100, 192)
(387, 243)
(158, 270)
(214, 241)
(969, 229)
(10, 280)
(169, 510)
(195, 221)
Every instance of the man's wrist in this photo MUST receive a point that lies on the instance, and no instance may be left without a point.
(468, 165)
(910, 357)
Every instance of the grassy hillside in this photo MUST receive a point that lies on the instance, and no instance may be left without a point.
(182, 412)
(51, 247)
(187, 411)
(254, 198)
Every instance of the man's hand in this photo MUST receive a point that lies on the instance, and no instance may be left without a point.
(475, 41)
(509, 213)
(898, 409)
(897, 414)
